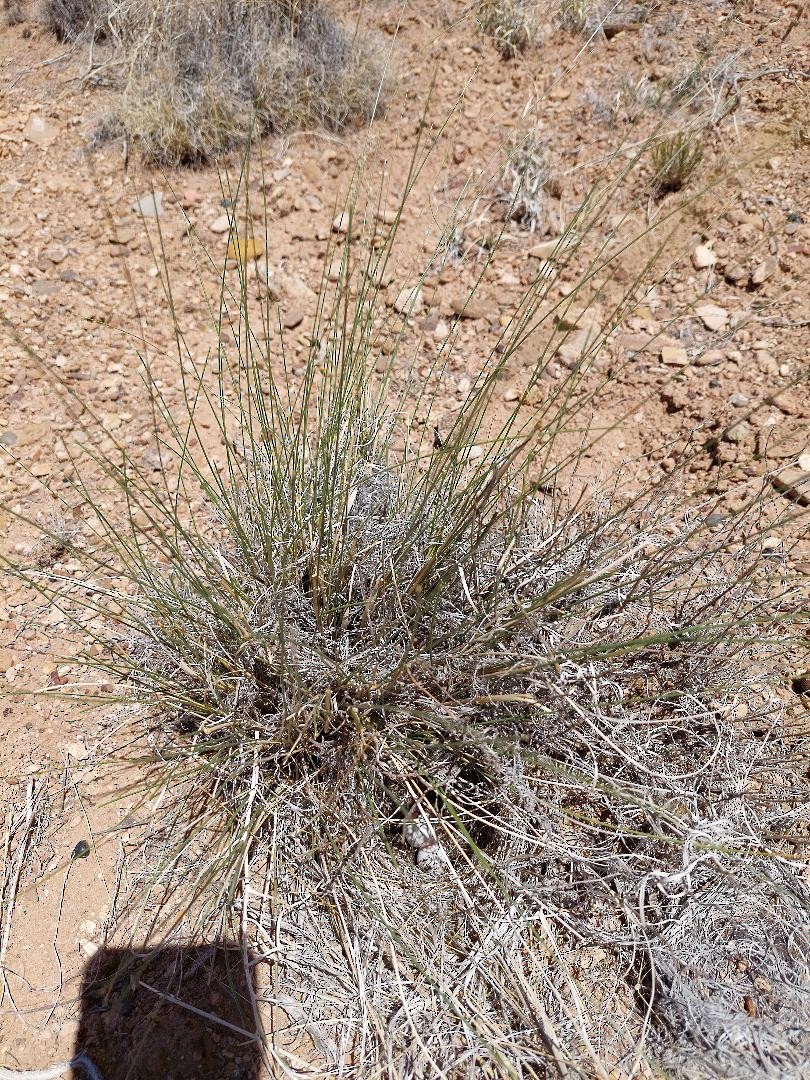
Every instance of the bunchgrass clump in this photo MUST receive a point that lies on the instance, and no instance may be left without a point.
(510, 23)
(196, 76)
(674, 159)
(445, 730)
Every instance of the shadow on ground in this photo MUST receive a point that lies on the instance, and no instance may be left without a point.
(141, 1015)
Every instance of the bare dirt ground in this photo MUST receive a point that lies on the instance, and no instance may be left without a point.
(75, 256)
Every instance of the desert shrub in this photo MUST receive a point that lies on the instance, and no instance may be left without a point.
(510, 23)
(453, 744)
(195, 75)
(674, 160)
(73, 19)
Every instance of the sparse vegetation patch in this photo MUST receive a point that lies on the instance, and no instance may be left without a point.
(195, 75)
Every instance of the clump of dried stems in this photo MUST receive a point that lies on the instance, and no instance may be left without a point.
(196, 76)
(454, 747)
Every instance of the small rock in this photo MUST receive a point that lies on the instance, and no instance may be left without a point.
(675, 355)
(573, 318)
(794, 484)
(804, 462)
(511, 394)
(292, 317)
(440, 331)
(460, 151)
(738, 400)
(89, 948)
(221, 224)
(738, 432)
(475, 452)
(764, 271)
(190, 198)
(703, 257)
(736, 274)
(341, 224)
(550, 249)
(44, 288)
(468, 307)
(786, 403)
(39, 131)
(387, 217)
(712, 316)
(463, 386)
(381, 276)
(409, 301)
(10, 230)
(709, 358)
(771, 544)
(8, 438)
(150, 205)
(56, 253)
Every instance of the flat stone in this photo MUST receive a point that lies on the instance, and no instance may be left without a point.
(703, 257)
(794, 484)
(675, 355)
(39, 131)
(150, 205)
(712, 316)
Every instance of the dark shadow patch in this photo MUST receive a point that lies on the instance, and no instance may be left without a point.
(138, 1018)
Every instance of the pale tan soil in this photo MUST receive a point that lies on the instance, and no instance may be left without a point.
(67, 288)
